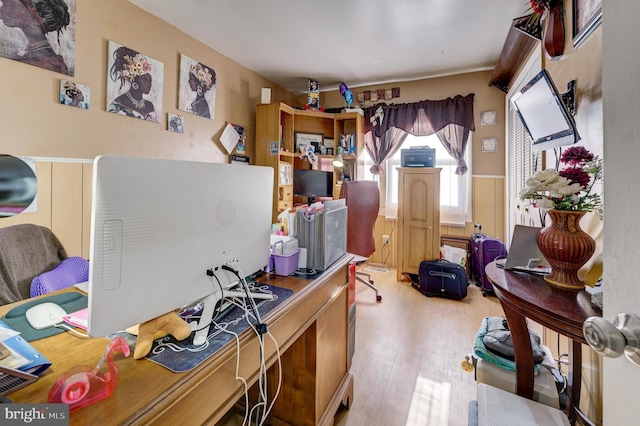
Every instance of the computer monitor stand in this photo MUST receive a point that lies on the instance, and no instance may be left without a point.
(209, 307)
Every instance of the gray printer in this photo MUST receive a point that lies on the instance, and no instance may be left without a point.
(420, 156)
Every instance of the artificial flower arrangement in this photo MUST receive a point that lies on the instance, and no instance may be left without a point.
(539, 7)
(569, 188)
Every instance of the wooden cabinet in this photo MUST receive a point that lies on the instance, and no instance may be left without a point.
(418, 217)
(276, 128)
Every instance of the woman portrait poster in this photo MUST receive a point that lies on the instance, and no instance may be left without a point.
(40, 33)
(74, 94)
(134, 84)
(197, 88)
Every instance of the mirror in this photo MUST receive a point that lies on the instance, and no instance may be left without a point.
(544, 114)
(18, 185)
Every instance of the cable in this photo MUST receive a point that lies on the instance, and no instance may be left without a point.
(260, 329)
(393, 227)
(238, 377)
(72, 330)
(275, 396)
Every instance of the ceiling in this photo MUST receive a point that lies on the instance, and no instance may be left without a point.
(359, 42)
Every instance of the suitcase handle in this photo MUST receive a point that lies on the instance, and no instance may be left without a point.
(442, 274)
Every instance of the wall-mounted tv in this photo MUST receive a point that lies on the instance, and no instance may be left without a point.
(544, 114)
(312, 183)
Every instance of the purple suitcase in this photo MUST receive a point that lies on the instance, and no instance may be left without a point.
(484, 250)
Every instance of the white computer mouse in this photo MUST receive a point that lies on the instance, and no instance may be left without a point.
(45, 315)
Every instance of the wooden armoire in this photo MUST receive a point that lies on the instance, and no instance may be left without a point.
(418, 217)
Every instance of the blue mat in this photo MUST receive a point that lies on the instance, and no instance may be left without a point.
(181, 356)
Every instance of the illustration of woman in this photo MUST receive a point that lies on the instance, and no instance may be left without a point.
(133, 68)
(72, 96)
(201, 80)
(36, 18)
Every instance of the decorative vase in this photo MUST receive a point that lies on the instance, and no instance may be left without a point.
(554, 31)
(567, 247)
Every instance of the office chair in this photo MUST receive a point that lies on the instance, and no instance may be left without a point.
(26, 251)
(362, 198)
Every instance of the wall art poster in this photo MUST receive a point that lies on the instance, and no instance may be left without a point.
(40, 33)
(197, 88)
(587, 16)
(313, 94)
(75, 94)
(134, 84)
(175, 123)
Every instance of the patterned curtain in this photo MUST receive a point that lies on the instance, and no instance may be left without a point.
(387, 126)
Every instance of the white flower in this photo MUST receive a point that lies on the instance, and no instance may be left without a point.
(545, 204)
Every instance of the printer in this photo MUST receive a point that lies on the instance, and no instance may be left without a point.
(418, 156)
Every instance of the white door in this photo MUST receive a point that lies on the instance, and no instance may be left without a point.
(621, 106)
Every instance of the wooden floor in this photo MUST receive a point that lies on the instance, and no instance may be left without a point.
(408, 352)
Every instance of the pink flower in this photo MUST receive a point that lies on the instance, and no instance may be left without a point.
(576, 175)
(576, 155)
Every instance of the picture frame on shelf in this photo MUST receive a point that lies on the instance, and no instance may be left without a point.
(303, 140)
(587, 16)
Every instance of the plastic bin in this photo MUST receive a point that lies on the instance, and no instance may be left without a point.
(285, 264)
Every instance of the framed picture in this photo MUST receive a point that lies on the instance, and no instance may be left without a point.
(74, 94)
(303, 140)
(587, 16)
(197, 88)
(175, 123)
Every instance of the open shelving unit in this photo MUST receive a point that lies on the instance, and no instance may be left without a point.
(276, 128)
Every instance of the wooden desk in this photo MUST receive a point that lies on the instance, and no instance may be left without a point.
(524, 296)
(311, 328)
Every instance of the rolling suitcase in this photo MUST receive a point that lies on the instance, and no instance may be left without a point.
(484, 250)
(442, 278)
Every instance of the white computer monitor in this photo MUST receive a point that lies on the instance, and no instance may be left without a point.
(157, 226)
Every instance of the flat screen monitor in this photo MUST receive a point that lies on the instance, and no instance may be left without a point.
(157, 226)
(312, 183)
(544, 114)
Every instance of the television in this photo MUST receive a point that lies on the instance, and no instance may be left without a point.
(544, 114)
(158, 226)
(312, 183)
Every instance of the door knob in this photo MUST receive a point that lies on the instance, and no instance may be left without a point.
(614, 339)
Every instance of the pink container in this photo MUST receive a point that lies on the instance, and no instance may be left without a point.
(285, 264)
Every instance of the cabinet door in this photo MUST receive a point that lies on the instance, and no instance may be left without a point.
(419, 207)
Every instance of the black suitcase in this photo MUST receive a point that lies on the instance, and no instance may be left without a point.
(442, 278)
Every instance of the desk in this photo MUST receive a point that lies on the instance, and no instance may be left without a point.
(311, 328)
(524, 296)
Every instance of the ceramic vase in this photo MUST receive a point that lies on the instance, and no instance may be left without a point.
(554, 31)
(567, 247)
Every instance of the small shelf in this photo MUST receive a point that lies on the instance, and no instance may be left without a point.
(515, 51)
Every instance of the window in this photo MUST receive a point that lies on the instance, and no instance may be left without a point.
(455, 191)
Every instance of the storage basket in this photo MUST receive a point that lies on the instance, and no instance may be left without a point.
(285, 264)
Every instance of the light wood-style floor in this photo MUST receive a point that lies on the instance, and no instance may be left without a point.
(408, 352)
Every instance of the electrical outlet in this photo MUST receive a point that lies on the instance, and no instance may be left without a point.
(385, 239)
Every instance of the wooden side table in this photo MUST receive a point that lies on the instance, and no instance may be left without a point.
(524, 295)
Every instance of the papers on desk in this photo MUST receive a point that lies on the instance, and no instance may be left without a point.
(23, 357)
(83, 286)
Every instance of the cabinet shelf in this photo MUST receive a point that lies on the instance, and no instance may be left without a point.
(280, 122)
